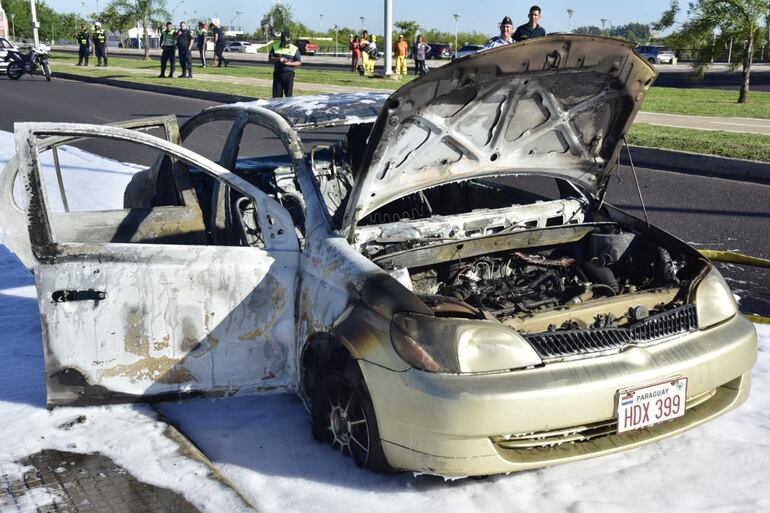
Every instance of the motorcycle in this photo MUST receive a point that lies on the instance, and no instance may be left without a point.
(20, 63)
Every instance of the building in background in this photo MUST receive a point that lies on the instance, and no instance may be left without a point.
(3, 23)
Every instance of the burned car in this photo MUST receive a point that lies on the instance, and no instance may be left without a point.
(444, 287)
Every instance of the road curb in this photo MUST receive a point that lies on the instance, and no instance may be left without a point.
(698, 164)
(175, 91)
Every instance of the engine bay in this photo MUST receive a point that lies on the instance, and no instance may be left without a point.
(607, 278)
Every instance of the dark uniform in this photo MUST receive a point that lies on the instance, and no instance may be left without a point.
(168, 45)
(100, 46)
(524, 32)
(84, 47)
(183, 44)
(219, 46)
(283, 75)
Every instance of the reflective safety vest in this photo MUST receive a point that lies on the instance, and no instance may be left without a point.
(100, 37)
(288, 52)
(168, 38)
(83, 38)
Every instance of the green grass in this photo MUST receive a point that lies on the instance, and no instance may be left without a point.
(307, 76)
(706, 102)
(725, 144)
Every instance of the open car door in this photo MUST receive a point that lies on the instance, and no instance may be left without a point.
(12, 216)
(136, 303)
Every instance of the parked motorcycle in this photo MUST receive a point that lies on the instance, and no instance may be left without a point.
(33, 62)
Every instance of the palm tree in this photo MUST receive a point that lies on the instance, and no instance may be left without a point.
(741, 19)
(147, 12)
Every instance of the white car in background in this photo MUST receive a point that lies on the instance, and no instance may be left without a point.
(657, 54)
(5, 45)
(241, 47)
(467, 50)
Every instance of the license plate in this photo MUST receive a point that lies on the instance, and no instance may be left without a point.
(651, 404)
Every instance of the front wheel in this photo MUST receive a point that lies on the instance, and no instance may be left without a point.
(47, 70)
(14, 71)
(343, 416)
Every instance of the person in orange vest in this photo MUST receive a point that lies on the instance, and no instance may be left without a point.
(402, 48)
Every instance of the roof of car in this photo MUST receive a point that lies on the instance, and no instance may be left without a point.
(323, 110)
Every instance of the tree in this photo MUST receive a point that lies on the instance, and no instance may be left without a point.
(118, 18)
(740, 19)
(637, 32)
(408, 28)
(52, 24)
(277, 19)
(590, 30)
(147, 12)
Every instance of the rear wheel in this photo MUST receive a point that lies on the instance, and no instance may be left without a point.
(47, 70)
(14, 71)
(343, 416)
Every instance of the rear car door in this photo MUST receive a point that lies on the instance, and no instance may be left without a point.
(137, 303)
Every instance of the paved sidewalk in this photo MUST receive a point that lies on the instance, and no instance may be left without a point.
(740, 125)
(59, 481)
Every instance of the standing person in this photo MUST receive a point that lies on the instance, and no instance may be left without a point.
(421, 50)
(100, 44)
(505, 37)
(202, 37)
(184, 41)
(168, 47)
(371, 50)
(285, 57)
(402, 47)
(219, 44)
(530, 29)
(355, 54)
(84, 46)
(364, 43)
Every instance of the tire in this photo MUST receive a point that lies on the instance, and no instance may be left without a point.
(651, 61)
(14, 70)
(343, 416)
(47, 70)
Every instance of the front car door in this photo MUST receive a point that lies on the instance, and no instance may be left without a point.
(136, 302)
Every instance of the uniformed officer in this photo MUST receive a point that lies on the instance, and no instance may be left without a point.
(168, 47)
(184, 41)
(84, 46)
(505, 38)
(100, 44)
(219, 43)
(531, 28)
(285, 57)
(202, 37)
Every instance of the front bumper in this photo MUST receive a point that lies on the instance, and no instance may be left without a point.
(456, 425)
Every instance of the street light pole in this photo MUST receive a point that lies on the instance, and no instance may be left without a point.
(388, 37)
(570, 14)
(35, 23)
(604, 22)
(457, 17)
(13, 26)
(173, 11)
(363, 20)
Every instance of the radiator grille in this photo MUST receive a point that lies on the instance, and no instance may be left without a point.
(562, 344)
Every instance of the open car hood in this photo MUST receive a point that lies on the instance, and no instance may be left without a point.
(558, 106)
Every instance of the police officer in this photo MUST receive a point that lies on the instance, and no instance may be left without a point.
(84, 46)
(285, 57)
(202, 37)
(184, 41)
(100, 44)
(219, 44)
(168, 46)
(531, 28)
(505, 38)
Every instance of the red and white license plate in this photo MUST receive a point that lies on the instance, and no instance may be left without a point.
(645, 406)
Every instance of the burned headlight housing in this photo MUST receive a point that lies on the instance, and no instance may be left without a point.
(440, 344)
(714, 300)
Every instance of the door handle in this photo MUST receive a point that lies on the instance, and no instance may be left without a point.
(62, 296)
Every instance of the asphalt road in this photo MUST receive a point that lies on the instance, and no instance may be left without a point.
(706, 212)
(668, 75)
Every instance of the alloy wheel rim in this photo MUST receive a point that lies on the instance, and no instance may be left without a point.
(347, 421)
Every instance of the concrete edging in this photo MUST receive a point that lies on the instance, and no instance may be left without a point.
(698, 164)
(643, 156)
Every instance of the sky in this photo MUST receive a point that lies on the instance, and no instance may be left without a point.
(318, 14)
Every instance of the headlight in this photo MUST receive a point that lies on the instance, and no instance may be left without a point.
(714, 300)
(437, 344)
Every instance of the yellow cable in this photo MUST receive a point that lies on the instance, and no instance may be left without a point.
(757, 319)
(734, 258)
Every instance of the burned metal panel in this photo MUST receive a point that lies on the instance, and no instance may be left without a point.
(557, 106)
(171, 319)
(321, 111)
